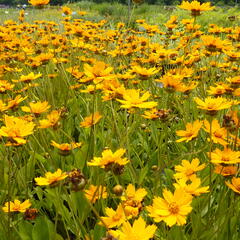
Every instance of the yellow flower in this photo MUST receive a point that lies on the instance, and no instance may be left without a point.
(95, 192)
(16, 206)
(16, 129)
(132, 99)
(66, 10)
(215, 44)
(28, 78)
(65, 148)
(132, 200)
(138, 231)
(192, 188)
(212, 105)
(227, 156)
(114, 218)
(51, 178)
(51, 121)
(98, 72)
(91, 120)
(191, 131)
(13, 103)
(108, 158)
(38, 2)
(218, 134)
(37, 108)
(144, 73)
(188, 169)
(5, 85)
(226, 170)
(196, 7)
(235, 185)
(172, 209)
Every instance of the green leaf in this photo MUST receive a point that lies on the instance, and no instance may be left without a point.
(40, 229)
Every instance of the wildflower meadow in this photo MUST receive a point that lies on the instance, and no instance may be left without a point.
(119, 127)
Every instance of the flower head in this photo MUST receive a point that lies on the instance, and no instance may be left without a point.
(234, 185)
(191, 131)
(51, 178)
(114, 218)
(227, 156)
(51, 121)
(219, 135)
(188, 169)
(108, 158)
(16, 129)
(212, 105)
(196, 7)
(39, 2)
(95, 192)
(37, 108)
(91, 120)
(192, 188)
(16, 206)
(139, 230)
(172, 208)
(132, 99)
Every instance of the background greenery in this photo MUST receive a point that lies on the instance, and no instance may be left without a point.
(162, 2)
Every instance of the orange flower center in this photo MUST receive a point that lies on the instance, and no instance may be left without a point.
(173, 208)
(218, 134)
(117, 217)
(189, 172)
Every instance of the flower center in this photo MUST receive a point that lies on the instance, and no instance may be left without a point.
(189, 172)
(173, 208)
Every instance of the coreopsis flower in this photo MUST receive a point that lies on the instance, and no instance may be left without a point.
(51, 121)
(36, 108)
(13, 103)
(114, 218)
(171, 83)
(172, 208)
(234, 81)
(154, 113)
(138, 231)
(21, 15)
(3, 106)
(110, 160)
(192, 188)
(188, 169)
(38, 2)
(144, 73)
(66, 148)
(66, 10)
(93, 193)
(91, 120)
(234, 185)
(132, 99)
(212, 105)
(191, 131)
(215, 44)
(226, 170)
(132, 200)
(51, 178)
(196, 7)
(227, 156)
(5, 86)
(98, 72)
(219, 135)
(217, 91)
(16, 206)
(16, 129)
(28, 78)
